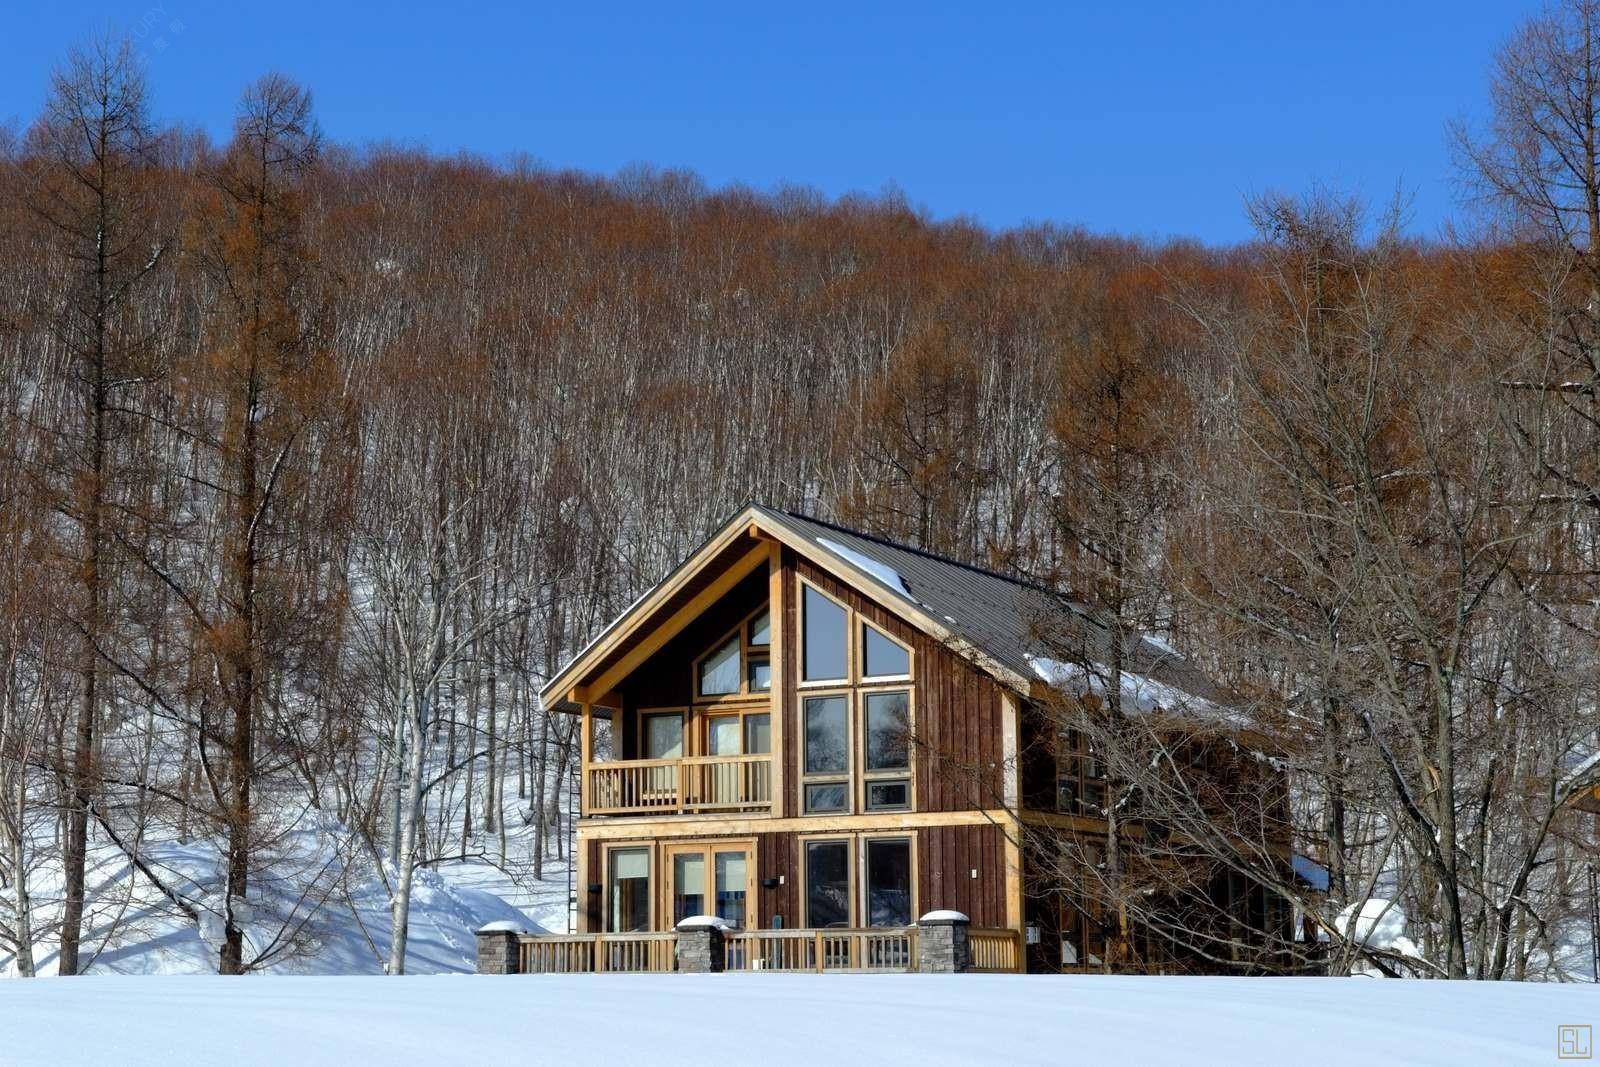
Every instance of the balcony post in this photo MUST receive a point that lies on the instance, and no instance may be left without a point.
(585, 756)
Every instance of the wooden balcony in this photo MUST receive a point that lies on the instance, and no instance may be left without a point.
(679, 786)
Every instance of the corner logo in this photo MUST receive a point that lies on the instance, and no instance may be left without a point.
(1574, 1042)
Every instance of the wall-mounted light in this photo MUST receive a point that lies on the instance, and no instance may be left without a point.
(770, 883)
(595, 887)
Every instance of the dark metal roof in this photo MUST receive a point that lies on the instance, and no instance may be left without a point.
(1011, 620)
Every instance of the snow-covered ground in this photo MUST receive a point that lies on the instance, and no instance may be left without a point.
(323, 893)
(778, 1019)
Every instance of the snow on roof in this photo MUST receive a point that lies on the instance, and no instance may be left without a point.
(1145, 694)
(881, 571)
(1309, 871)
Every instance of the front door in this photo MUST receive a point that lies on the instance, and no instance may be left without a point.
(710, 879)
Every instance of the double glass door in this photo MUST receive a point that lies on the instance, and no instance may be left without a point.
(710, 880)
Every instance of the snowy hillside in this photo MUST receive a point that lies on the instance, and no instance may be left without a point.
(810, 1019)
(328, 908)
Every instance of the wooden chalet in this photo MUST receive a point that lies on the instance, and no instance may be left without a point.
(815, 736)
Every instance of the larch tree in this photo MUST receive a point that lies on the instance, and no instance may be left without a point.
(92, 184)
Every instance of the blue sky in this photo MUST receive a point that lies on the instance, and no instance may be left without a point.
(1153, 119)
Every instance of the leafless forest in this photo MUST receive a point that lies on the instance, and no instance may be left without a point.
(315, 461)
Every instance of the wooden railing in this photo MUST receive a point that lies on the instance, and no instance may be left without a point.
(887, 949)
(597, 953)
(678, 786)
(995, 950)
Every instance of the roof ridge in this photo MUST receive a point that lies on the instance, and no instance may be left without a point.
(924, 553)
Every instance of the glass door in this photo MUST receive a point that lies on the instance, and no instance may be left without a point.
(710, 880)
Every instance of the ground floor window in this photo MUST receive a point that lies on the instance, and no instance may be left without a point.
(859, 881)
(888, 889)
(629, 890)
(827, 884)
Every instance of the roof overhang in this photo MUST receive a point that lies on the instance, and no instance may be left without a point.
(651, 621)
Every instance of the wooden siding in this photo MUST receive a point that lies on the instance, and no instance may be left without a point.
(946, 858)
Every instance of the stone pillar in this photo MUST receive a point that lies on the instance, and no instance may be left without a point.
(699, 947)
(942, 945)
(497, 948)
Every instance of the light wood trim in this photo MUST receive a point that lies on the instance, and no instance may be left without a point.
(777, 597)
(652, 642)
(586, 751)
(664, 826)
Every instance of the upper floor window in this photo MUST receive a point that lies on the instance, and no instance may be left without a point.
(761, 628)
(881, 655)
(825, 636)
(1080, 782)
(740, 664)
(719, 672)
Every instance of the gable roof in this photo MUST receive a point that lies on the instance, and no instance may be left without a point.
(993, 620)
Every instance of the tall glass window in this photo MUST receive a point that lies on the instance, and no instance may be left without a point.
(731, 887)
(826, 632)
(827, 735)
(888, 730)
(888, 881)
(688, 885)
(827, 884)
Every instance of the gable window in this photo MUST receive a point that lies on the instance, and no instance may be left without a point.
(882, 656)
(739, 665)
(719, 672)
(825, 635)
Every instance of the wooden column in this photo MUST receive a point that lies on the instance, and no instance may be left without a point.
(775, 602)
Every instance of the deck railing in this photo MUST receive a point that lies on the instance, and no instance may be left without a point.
(877, 949)
(597, 953)
(995, 950)
(679, 786)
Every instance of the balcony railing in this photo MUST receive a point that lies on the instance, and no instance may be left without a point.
(680, 786)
